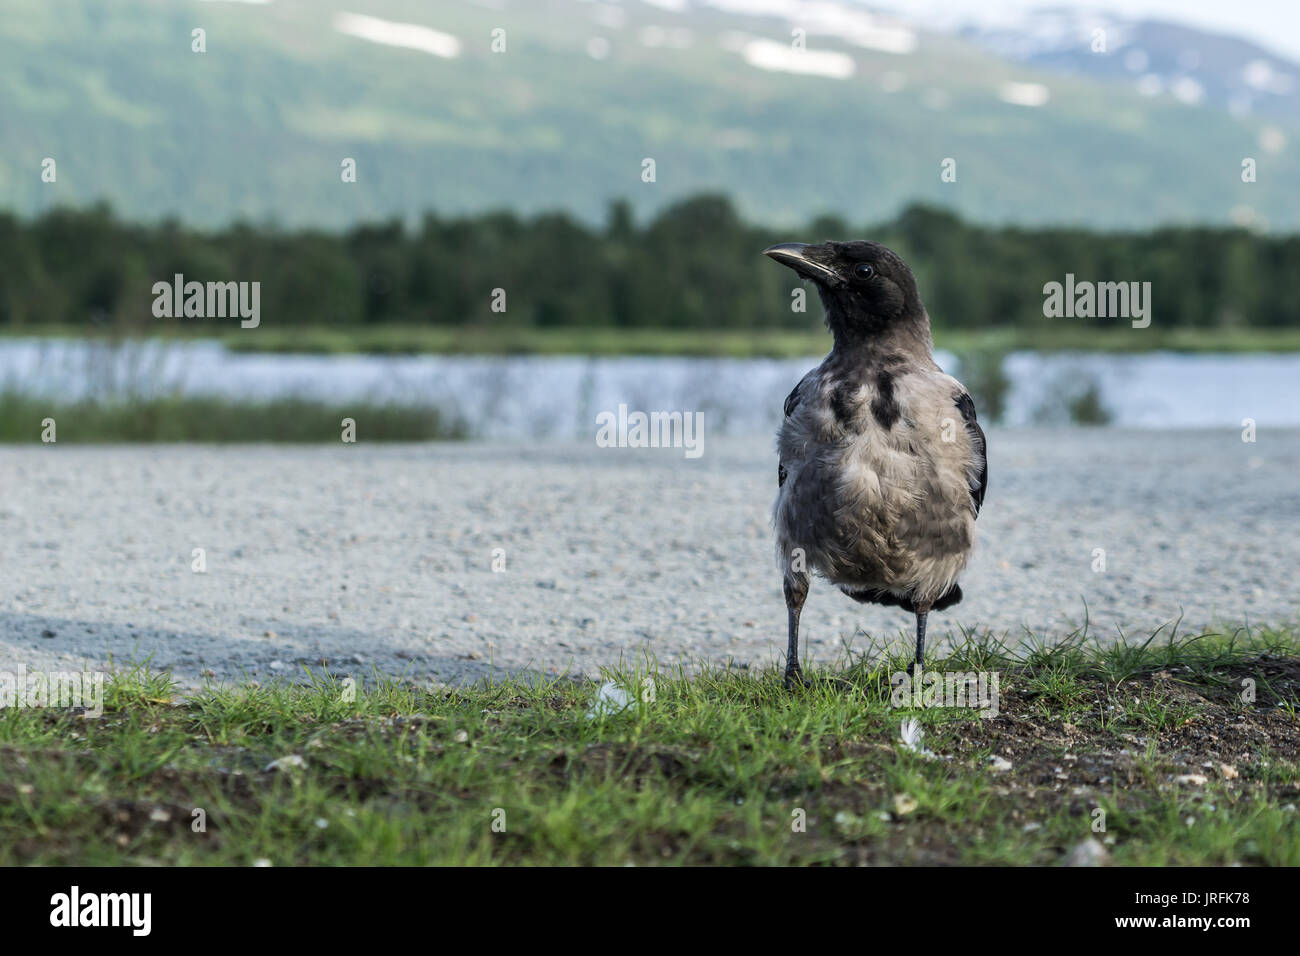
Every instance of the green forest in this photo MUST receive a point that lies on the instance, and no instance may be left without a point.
(696, 265)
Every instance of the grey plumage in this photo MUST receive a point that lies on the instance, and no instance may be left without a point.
(882, 466)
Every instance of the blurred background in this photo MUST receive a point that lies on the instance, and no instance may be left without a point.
(381, 168)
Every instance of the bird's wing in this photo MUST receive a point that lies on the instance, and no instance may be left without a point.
(978, 474)
(791, 403)
(792, 400)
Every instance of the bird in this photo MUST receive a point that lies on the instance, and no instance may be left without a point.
(882, 462)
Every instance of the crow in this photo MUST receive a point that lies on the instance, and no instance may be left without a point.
(882, 464)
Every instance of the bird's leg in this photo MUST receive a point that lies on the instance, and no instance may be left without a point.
(922, 611)
(796, 591)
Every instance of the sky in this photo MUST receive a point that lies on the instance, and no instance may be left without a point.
(1274, 24)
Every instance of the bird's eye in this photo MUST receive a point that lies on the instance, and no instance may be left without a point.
(863, 270)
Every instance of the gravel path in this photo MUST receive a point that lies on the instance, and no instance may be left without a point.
(382, 555)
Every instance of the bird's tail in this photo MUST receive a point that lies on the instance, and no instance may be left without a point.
(889, 599)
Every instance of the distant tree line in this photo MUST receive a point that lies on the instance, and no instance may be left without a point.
(696, 265)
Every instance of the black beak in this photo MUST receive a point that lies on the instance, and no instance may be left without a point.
(803, 259)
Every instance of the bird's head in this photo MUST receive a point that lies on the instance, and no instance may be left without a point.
(868, 290)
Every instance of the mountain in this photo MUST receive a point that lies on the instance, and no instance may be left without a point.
(1153, 57)
(856, 124)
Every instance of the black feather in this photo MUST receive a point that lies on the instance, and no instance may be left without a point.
(884, 407)
(949, 597)
(791, 401)
(966, 406)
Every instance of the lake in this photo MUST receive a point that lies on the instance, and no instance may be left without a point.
(504, 397)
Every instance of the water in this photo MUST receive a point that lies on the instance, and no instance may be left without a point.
(1160, 389)
(559, 397)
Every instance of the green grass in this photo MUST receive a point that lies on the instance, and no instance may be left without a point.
(198, 419)
(719, 767)
(396, 339)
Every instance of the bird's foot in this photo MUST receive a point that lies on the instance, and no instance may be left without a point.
(794, 678)
(911, 668)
